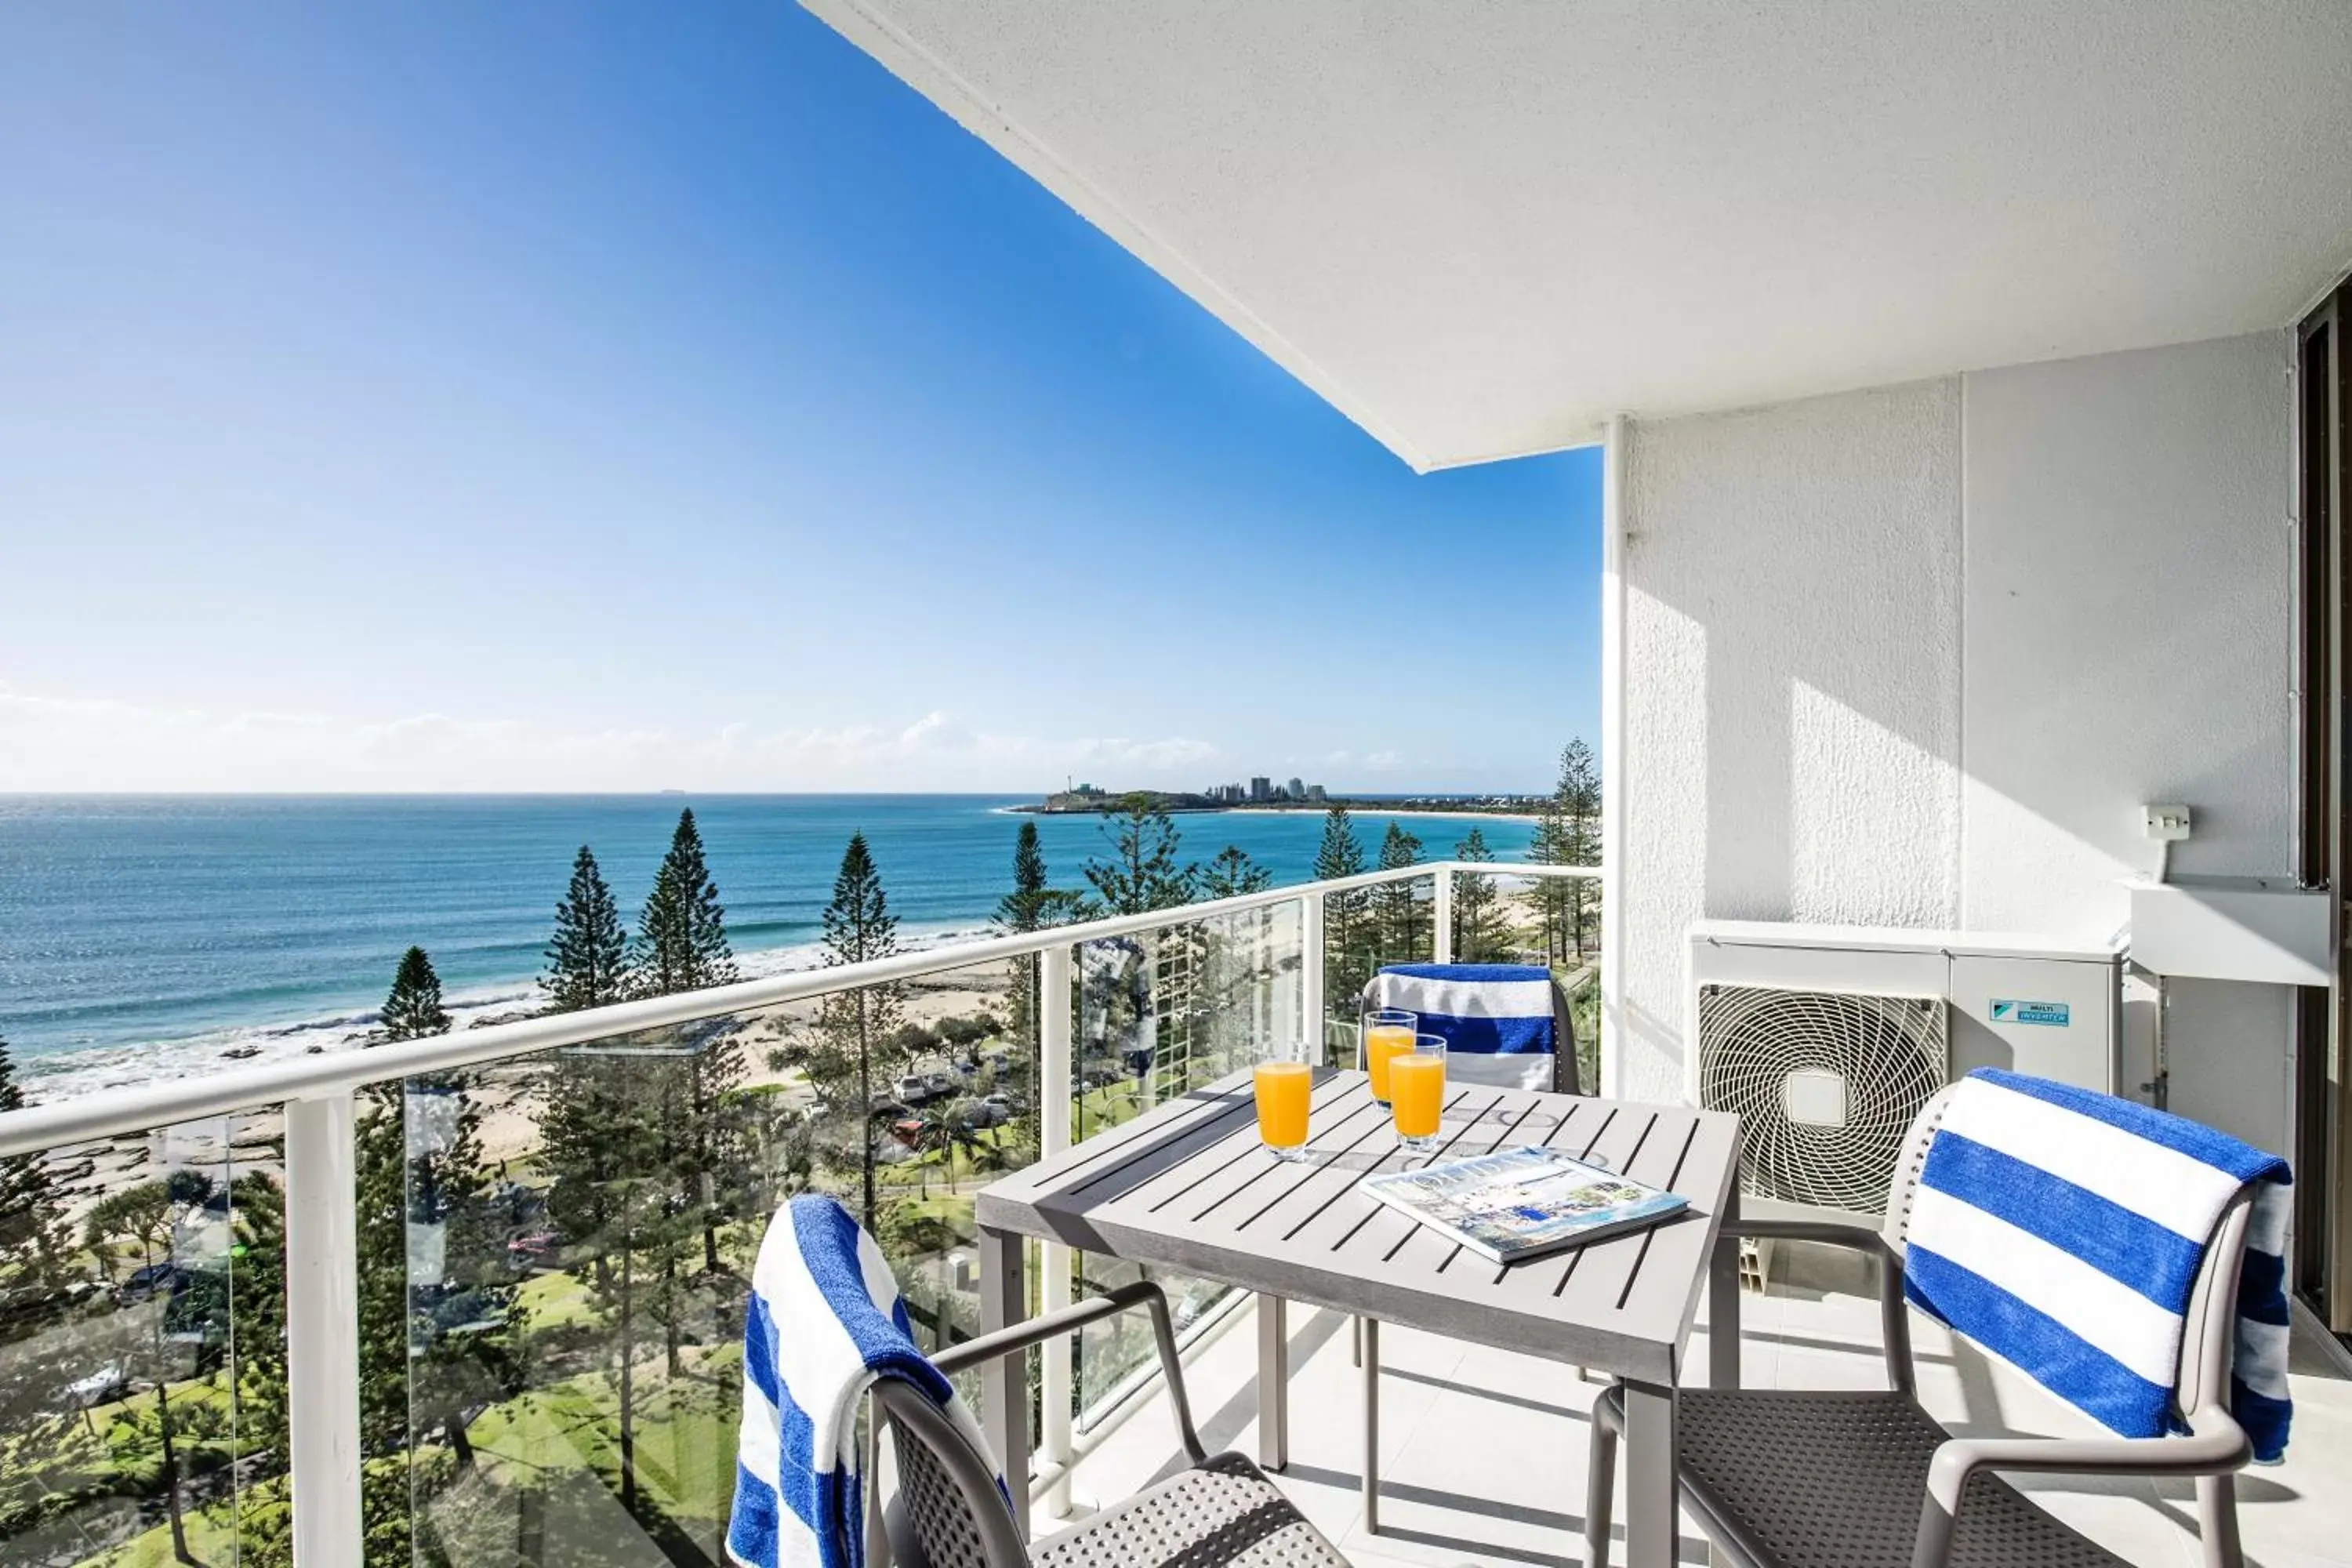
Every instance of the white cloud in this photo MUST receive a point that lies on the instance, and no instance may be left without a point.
(50, 743)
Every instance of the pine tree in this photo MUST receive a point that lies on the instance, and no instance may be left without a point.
(1400, 918)
(257, 1320)
(1034, 904)
(853, 1047)
(35, 1246)
(33, 1238)
(412, 1011)
(1346, 941)
(1578, 802)
(380, 1178)
(682, 932)
(682, 946)
(588, 957)
(1478, 931)
(1233, 873)
(449, 1190)
(1141, 873)
(603, 1131)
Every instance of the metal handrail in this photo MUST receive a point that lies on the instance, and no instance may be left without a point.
(140, 1108)
(316, 1095)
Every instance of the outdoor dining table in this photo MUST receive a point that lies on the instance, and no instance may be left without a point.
(1188, 1187)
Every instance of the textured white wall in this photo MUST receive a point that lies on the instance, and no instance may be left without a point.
(1896, 663)
(2129, 610)
(1793, 681)
(2128, 614)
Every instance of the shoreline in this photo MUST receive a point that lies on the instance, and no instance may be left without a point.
(52, 1076)
(1355, 808)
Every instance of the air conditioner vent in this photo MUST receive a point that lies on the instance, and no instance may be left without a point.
(1826, 1085)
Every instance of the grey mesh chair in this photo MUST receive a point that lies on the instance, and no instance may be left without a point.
(1559, 1074)
(1780, 1479)
(947, 1511)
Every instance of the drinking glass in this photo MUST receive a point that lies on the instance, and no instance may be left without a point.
(1387, 1033)
(1417, 1091)
(1282, 1089)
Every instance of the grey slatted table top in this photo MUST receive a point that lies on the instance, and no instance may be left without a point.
(1188, 1187)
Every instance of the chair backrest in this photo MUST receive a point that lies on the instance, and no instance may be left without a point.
(2208, 1329)
(1480, 992)
(947, 1511)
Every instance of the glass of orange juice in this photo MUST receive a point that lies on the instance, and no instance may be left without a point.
(1417, 1091)
(1282, 1090)
(1386, 1033)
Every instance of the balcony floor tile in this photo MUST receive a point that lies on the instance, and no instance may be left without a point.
(1484, 1451)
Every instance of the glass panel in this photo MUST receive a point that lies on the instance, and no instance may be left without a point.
(1158, 1015)
(142, 1377)
(579, 1229)
(1394, 922)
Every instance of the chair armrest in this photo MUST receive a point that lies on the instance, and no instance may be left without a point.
(1893, 1321)
(2215, 1445)
(1829, 1232)
(1020, 1337)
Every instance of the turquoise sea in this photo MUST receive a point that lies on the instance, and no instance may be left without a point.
(145, 936)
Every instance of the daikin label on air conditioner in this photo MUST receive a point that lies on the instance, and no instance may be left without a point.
(2053, 1014)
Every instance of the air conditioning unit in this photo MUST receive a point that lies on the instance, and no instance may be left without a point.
(1826, 1041)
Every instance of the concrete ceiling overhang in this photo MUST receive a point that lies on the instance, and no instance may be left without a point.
(1480, 229)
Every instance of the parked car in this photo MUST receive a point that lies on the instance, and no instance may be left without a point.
(921, 1088)
(994, 1111)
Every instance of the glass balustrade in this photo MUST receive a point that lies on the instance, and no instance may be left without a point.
(142, 1350)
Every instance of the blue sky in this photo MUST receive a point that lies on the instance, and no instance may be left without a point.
(613, 396)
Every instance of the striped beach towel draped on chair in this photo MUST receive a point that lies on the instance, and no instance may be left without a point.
(1483, 1009)
(825, 1321)
(2062, 1229)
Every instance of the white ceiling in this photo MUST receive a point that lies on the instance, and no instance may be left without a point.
(1479, 229)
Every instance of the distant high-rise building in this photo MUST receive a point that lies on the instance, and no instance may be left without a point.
(1261, 788)
(1294, 790)
(1315, 793)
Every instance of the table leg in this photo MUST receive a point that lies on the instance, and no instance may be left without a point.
(1273, 1381)
(1004, 1403)
(1650, 1524)
(1723, 1302)
(1371, 1341)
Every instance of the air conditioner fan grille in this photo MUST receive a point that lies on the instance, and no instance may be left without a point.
(1890, 1052)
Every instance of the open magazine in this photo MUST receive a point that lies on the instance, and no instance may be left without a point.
(1524, 1202)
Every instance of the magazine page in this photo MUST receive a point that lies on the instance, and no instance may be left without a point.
(1519, 1201)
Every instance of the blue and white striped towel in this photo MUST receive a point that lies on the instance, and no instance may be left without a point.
(2061, 1229)
(1484, 1009)
(825, 1322)
(1496, 1018)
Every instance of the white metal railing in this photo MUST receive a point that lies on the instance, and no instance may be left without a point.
(315, 1095)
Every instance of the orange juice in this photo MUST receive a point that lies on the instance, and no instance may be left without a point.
(1380, 1043)
(1282, 1089)
(1417, 1092)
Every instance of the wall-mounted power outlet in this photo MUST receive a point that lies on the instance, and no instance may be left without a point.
(2165, 824)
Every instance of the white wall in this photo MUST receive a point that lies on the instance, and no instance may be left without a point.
(1792, 627)
(2129, 607)
(1911, 655)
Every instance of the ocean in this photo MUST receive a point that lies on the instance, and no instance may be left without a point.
(144, 937)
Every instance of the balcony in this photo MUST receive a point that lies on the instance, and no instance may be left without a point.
(476, 1298)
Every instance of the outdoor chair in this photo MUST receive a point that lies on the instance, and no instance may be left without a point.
(947, 1511)
(1784, 1478)
(1490, 1018)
